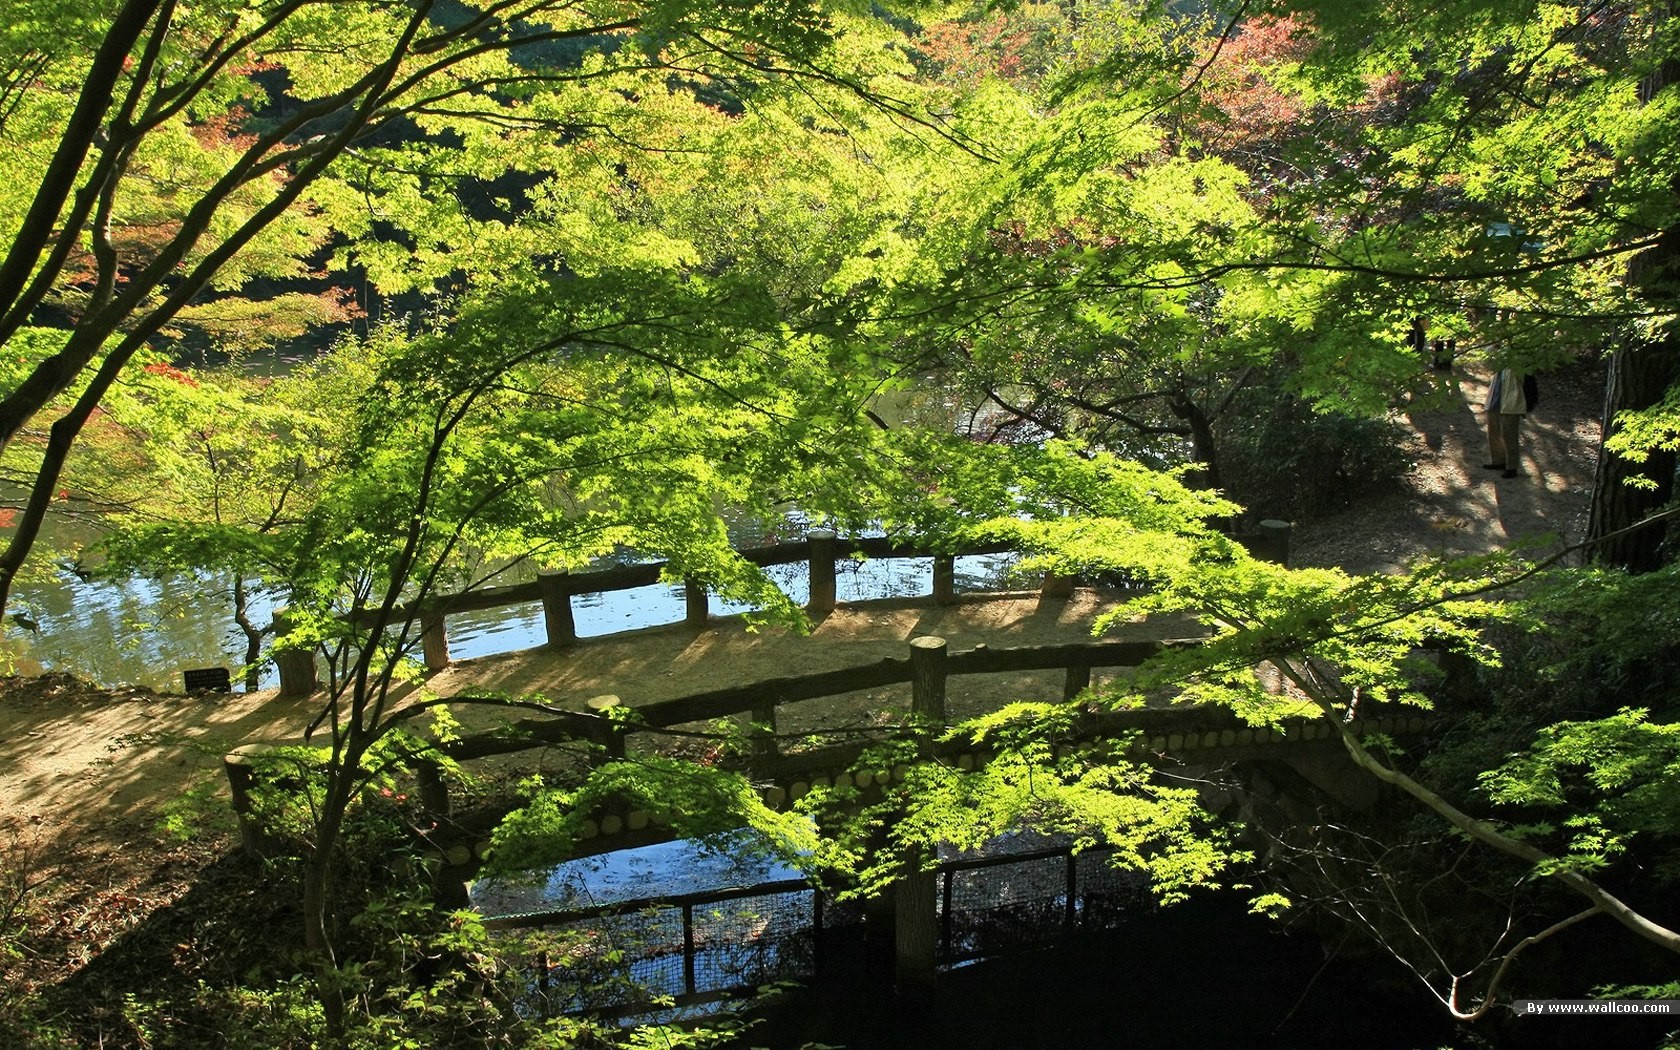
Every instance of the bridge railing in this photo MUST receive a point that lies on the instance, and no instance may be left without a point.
(555, 590)
(820, 552)
(786, 774)
(693, 948)
(926, 670)
(700, 947)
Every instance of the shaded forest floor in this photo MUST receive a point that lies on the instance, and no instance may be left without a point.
(1449, 505)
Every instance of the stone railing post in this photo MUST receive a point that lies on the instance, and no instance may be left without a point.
(927, 681)
(611, 737)
(944, 579)
(764, 748)
(556, 591)
(1057, 587)
(613, 740)
(915, 928)
(1077, 681)
(433, 790)
(915, 912)
(240, 766)
(296, 666)
(1271, 543)
(434, 640)
(823, 550)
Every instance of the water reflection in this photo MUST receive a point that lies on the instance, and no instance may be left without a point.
(142, 632)
(665, 869)
(521, 626)
(147, 632)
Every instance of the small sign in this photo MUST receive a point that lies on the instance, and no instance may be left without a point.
(211, 679)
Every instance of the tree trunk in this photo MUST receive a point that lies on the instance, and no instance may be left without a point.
(38, 229)
(133, 312)
(317, 906)
(253, 634)
(1202, 447)
(1639, 377)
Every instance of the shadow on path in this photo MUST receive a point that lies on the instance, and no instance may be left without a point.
(1451, 506)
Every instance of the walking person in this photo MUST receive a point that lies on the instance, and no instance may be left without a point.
(1507, 403)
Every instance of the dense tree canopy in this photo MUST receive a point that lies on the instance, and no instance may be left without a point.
(170, 156)
(623, 267)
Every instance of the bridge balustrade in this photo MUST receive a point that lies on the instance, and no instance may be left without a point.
(820, 551)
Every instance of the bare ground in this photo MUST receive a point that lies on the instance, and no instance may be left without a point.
(75, 759)
(1450, 505)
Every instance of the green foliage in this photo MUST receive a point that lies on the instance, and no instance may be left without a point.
(1345, 640)
(287, 790)
(1640, 991)
(418, 976)
(290, 787)
(280, 1017)
(1589, 642)
(716, 807)
(199, 811)
(643, 312)
(1271, 905)
(1281, 459)
(1030, 783)
(1292, 195)
(1120, 515)
(1640, 433)
(1610, 779)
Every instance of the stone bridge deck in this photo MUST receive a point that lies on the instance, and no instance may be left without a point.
(682, 675)
(661, 663)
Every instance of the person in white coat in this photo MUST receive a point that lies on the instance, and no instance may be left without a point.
(1505, 407)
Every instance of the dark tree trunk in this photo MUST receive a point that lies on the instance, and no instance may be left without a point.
(1202, 447)
(317, 927)
(253, 634)
(1639, 377)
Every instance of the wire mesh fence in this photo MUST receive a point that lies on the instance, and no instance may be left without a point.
(649, 955)
(645, 956)
(1024, 893)
(1003, 906)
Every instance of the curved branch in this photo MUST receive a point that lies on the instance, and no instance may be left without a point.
(1490, 997)
(98, 90)
(1486, 833)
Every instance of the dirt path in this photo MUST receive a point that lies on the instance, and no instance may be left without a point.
(75, 760)
(1450, 505)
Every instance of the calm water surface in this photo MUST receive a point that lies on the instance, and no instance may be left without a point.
(146, 632)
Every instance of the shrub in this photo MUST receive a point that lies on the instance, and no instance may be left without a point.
(1281, 459)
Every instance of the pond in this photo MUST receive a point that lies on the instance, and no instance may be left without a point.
(146, 632)
(1115, 971)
